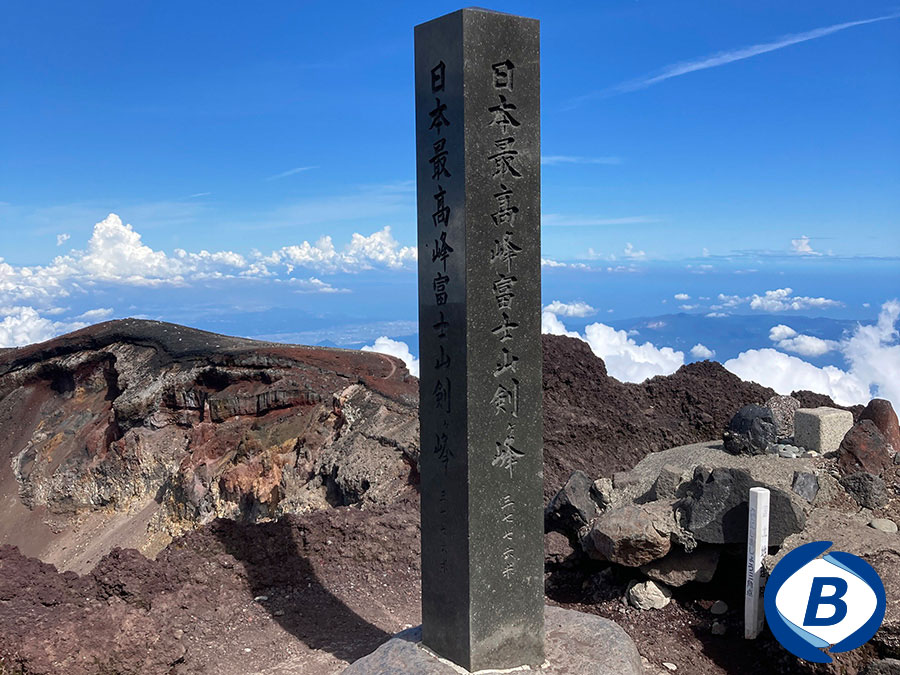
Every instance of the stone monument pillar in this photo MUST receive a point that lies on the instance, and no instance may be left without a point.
(477, 88)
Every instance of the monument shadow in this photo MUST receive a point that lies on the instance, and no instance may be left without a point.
(276, 569)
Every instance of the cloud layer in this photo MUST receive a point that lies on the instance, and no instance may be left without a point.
(116, 254)
(872, 354)
(625, 359)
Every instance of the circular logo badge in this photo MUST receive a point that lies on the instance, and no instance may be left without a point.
(835, 601)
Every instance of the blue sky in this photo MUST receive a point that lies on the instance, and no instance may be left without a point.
(691, 149)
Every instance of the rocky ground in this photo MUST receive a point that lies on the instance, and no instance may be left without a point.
(310, 455)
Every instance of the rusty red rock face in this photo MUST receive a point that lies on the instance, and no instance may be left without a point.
(864, 448)
(881, 412)
(136, 416)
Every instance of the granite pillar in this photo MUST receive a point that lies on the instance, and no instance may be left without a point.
(477, 88)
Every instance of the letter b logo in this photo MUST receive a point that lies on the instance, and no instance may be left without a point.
(816, 600)
(835, 601)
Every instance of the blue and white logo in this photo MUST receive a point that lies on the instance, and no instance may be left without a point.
(812, 603)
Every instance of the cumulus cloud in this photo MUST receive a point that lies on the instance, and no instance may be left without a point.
(728, 301)
(398, 348)
(785, 373)
(551, 325)
(631, 252)
(117, 254)
(625, 359)
(781, 332)
(872, 354)
(701, 351)
(802, 246)
(62, 239)
(574, 309)
(787, 339)
(682, 297)
(783, 299)
(24, 326)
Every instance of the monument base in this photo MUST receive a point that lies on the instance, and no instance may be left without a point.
(575, 642)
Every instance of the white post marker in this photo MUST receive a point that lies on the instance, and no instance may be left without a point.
(757, 549)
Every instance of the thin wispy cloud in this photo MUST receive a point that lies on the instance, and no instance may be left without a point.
(555, 160)
(291, 172)
(200, 194)
(559, 220)
(729, 56)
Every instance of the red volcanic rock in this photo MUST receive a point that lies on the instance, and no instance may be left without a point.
(594, 423)
(130, 432)
(881, 412)
(864, 448)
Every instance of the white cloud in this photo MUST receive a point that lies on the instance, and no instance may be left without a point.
(116, 254)
(781, 332)
(575, 309)
(313, 285)
(701, 351)
(787, 339)
(682, 296)
(548, 262)
(785, 374)
(631, 252)
(398, 348)
(717, 315)
(24, 325)
(730, 56)
(290, 172)
(871, 352)
(95, 315)
(625, 359)
(808, 345)
(782, 299)
(802, 246)
(62, 239)
(628, 361)
(551, 325)
(688, 308)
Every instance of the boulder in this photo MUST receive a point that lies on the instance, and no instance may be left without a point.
(783, 409)
(668, 481)
(821, 429)
(573, 507)
(751, 431)
(626, 536)
(881, 412)
(864, 448)
(717, 509)
(869, 491)
(806, 484)
(680, 567)
(570, 646)
(883, 525)
(648, 595)
(883, 667)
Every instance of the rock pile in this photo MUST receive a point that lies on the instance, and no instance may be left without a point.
(672, 518)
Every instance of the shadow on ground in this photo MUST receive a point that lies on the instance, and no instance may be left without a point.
(277, 569)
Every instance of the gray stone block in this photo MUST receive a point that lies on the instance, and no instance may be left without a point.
(574, 643)
(821, 429)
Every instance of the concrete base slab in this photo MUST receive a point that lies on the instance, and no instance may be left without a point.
(574, 642)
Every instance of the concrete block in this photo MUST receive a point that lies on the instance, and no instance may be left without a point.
(821, 429)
